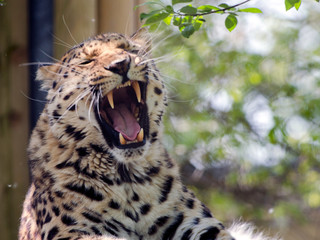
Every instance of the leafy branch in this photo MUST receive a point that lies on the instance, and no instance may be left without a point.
(207, 7)
(189, 18)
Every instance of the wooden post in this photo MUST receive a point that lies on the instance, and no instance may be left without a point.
(14, 120)
(118, 16)
(75, 21)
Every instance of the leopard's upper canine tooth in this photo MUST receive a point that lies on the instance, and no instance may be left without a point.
(136, 88)
(140, 135)
(122, 140)
(110, 99)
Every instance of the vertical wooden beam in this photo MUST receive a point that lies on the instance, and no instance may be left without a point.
(118, 16)
(14, 120)
(75, 21)
(40, 51)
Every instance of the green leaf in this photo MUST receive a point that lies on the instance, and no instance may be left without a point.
(169, 9)
(177, 21)
(198, 23)
(234, 14)
(272, 136)
(317, 0)
(168, 19)
(224, 5)
(143, 16)
(251, 10)
(147, 15)
(187, 20)
(188, 10)
(156, 18)
(207, 8)
(231, 22)
(292, 3)
(288, 5)
(180, 1)
(297, 5)
(188, 31)
(148, 3)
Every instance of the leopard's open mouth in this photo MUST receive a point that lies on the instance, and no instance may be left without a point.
(122, 115)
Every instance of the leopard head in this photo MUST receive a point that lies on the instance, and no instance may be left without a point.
(106, 92)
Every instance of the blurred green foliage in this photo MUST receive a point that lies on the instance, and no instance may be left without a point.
(256, 114)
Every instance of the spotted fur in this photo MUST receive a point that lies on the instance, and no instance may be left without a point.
(83, 185)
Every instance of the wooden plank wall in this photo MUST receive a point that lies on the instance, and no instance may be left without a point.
(75, 21)
(72, 26)
(14, 118)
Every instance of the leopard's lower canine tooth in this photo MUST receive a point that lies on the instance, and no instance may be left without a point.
(140, 135)
(122, 140)
(110, 99)
(136, 88)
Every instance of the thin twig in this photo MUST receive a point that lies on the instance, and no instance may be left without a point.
(214, 11)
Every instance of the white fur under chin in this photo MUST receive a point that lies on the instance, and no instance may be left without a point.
(246, 231)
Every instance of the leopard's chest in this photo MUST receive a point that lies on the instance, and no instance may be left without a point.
(130, 210)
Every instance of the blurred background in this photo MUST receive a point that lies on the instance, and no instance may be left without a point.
(244, 113)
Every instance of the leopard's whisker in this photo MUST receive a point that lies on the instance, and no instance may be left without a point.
(98, 105)
(61, 42)
(158, 59)
(93, 96)
(100, 91)
(68, 29)
(79, 98)
(37, 63)
(155, 46)
(32, 99)
(51, 57)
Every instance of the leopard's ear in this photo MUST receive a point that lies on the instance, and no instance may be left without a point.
(47, 74)
(143, 38)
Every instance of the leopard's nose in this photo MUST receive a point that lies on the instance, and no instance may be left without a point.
(121, 68)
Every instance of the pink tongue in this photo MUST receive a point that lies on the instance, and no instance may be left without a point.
(124, 121)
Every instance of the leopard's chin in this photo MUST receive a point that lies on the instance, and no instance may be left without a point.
(123, 115)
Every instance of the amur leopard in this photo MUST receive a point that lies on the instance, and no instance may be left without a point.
(99, 167)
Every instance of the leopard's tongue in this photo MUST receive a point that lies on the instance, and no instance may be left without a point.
(124, 121)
